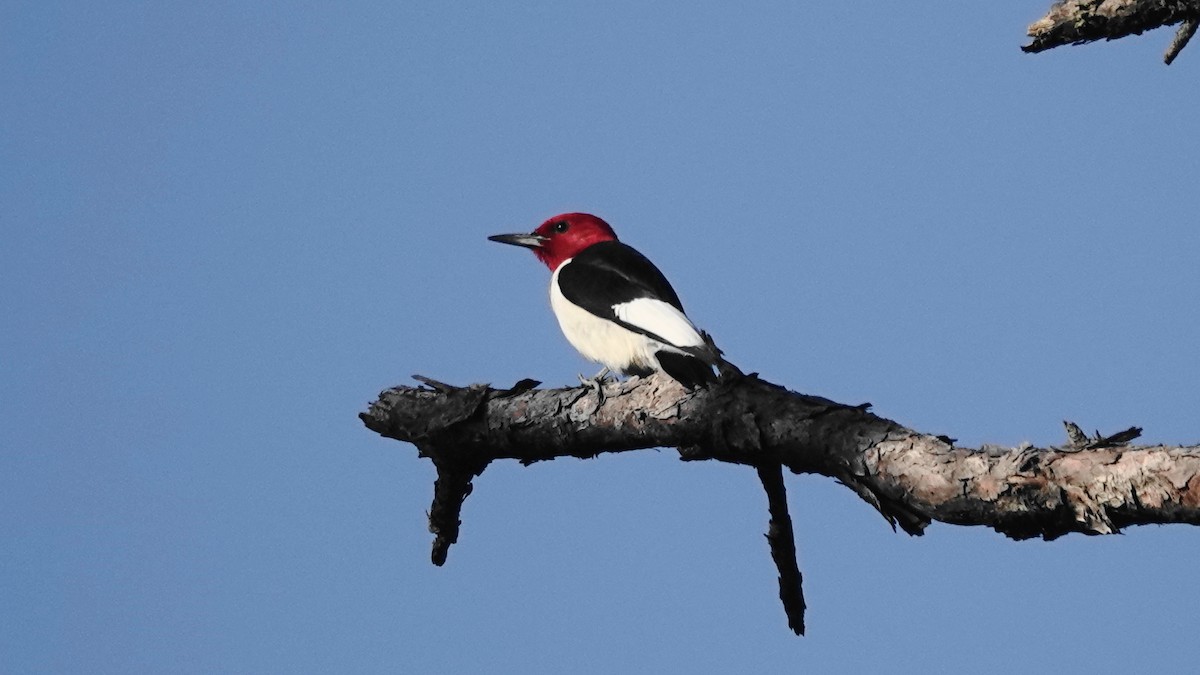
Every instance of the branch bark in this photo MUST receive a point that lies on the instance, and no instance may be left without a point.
(1089, 485)
(1072, 22)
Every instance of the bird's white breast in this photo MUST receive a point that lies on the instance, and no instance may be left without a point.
(615, 346)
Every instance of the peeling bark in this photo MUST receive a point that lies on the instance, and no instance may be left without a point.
(1072, 22)
(1089, 485)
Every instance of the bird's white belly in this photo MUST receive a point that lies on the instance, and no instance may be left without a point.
(602, 341)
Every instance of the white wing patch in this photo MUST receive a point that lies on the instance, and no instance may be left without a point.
(661, 319)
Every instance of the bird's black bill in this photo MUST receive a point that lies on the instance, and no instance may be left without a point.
(526, 240)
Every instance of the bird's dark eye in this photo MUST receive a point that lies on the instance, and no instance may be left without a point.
(560, 226)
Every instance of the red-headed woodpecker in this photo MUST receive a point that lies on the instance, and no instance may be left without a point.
(613, 304)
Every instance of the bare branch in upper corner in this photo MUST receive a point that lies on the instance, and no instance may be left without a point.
(1072, 22)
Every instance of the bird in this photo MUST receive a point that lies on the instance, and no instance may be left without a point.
(615, 307)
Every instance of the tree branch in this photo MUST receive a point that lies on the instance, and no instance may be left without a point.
(782, 540)
(1072, 22)
(1089, 485)
(1182, 36)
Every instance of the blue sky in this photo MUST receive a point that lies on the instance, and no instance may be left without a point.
(227, 226)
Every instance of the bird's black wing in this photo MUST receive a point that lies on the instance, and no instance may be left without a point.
(611, 273)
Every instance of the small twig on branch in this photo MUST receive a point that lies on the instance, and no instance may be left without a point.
(450, 490)
(1078, 440)
(1182, 36)
(782, 540)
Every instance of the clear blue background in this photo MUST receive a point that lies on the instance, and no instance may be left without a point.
(227, 226)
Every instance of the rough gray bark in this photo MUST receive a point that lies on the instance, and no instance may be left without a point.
(1091, 485)
(1072, 22)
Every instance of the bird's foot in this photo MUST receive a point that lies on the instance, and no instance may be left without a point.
(597, 383)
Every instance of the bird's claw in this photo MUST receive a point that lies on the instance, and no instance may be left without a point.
(597, 383)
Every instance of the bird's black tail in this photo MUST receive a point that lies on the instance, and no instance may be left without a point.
(694, 366)
(688, 370)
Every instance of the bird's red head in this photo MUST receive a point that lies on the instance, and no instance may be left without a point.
(561, 237)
